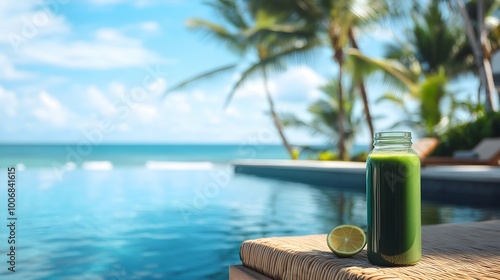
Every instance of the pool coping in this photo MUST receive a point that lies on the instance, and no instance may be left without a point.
(475, 185)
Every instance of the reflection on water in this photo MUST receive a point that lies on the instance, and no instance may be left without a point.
(134, 223)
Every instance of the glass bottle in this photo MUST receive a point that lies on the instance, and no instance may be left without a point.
(393, 201)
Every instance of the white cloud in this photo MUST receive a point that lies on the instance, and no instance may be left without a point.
(97, 99)
(105, 2)
(23, 21)
(188, 116)
(113, 36)
(137, 3)
(149, 26)
(199, 95)
(252, 88)
(108, 103)
(177, 102)
(146, 113)
(213, 119)
(117, 89)
(8, 72)
(37, 33)
(233, 113)
(58, 105)
(299, 84)
(123, 127)
(158, 86)
(109, 50)
(42, 110)
(8, 102)
(50, 111)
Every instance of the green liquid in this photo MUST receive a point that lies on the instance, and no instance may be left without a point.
(393, 198)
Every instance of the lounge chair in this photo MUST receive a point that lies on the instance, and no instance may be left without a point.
(487, 152)
(425, 146)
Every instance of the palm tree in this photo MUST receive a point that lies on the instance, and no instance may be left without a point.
(478, 37)
(427, 119)
(337, 21)
(428, 90)
(435, 42)
(274, 38)
(360, 79)
(435, 53)
(325, 111)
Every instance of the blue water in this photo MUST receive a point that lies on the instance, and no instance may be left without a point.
(60, 154)
(165, 221)
(41, 155)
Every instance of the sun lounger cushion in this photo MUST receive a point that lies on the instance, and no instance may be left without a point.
(465, 154)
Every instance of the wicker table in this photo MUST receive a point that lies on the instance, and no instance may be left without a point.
(450, 251)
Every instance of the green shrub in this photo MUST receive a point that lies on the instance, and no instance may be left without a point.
(468, 135)
(360, 156)
(327, 155)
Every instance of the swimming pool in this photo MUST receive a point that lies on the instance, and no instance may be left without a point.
(174, 223)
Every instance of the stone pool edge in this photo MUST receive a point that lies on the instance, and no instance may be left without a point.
(472, 185)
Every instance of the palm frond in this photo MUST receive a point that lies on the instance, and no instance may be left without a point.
(401, 74)
(217, 33)
(395, 99)
(407, 123)
(315, 128)
(274, 62)
(492, 8)
(254, 69)
(201, 76)
(431, 91)
(290, 120)
(359, 68)
(401, 52)
(367, 11)
(280, 33)
(296, 53)
(230, 11)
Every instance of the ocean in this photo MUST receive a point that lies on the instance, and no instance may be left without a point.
(153, 155)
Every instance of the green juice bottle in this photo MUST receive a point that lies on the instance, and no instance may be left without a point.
(393, 201)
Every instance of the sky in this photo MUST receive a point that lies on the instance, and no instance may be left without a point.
(97, 70)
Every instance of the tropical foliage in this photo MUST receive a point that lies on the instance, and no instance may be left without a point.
(273, 39)
(474, 14)
(445, 42)
(466, 136)
(433, 53)
(435, 44)
(336, 22)
(325, 111)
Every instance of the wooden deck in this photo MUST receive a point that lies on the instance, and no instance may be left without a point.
(449, 251)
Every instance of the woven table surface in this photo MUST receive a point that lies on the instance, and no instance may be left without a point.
(449, 251)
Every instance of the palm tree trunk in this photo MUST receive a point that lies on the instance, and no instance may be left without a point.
(338, 56)
(276, 120)
(484, 70)
(491, 82)
(362, 90)
(340, 119)
(486, 55)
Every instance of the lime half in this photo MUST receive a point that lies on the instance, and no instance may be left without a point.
(346, 240)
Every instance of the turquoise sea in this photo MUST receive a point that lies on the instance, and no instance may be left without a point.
(162, 211)
(137, 154)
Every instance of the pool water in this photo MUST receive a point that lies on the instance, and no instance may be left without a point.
(139, 223)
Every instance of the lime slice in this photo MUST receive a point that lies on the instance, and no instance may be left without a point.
(346, 240)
